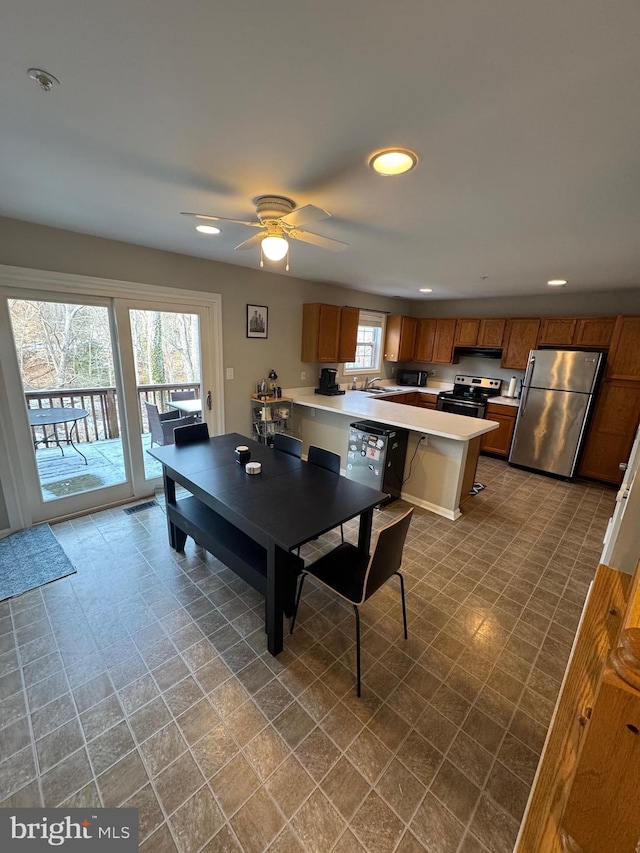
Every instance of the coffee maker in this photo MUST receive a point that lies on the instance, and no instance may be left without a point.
(327, 381)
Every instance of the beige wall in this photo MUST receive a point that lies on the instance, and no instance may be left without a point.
(551, 303)
(24, 244)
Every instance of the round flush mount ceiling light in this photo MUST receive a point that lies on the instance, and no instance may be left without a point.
(45, 80)
(207, 229)
(557, 282)
(393, 161)
(426, 290)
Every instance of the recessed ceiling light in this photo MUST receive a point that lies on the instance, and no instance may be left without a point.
(557, 282)
(393, 161)
(426, 290)
(207, 229)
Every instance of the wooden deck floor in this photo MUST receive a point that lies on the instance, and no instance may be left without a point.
(68, 475)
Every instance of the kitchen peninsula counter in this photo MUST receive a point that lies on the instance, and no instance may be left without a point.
(443, 449)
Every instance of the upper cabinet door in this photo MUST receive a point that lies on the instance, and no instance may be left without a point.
(467, 333)
(320, 332)
(399, 339)
(425, 333)
(594, 331)
(491, 332)
(624, 355)
(443, 341)
(349, 318)
(557, 331)
(521, 336)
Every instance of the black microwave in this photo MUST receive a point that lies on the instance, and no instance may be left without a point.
(417, 378)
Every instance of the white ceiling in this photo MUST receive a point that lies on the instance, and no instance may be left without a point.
(526, 117)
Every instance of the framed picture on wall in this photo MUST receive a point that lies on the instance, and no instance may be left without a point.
(257, 321)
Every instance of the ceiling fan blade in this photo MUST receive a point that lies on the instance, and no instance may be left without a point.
(252, 241)
(252, 223)
(317, 240)
(304, 215)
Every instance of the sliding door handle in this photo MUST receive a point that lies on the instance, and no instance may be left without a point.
(209, 400)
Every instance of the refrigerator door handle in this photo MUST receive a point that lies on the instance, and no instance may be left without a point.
(530, 365)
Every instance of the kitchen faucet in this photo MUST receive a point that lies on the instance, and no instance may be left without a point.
(369, 382)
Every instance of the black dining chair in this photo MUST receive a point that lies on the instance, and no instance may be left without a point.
(287, 444)
(192, 433)
(328, 460)
(355, 577)
(182, 395)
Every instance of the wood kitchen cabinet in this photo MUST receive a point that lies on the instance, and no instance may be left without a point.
(349, 319)
(466, 332)
(443, 341)
(400, 338)
(612, 431)
(499, 441)
(624, 355)
(326, 337)
(491, 332)
(425, 334)
(521, 336)
(557, 331)
(594, 331)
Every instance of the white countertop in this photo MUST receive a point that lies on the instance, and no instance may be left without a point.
(505, 401)
(374, 407)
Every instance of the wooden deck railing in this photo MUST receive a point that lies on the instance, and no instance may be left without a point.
(103, 421)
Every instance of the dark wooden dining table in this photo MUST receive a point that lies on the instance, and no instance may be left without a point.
(254, 523)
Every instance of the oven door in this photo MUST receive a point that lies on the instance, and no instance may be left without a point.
(469, 408)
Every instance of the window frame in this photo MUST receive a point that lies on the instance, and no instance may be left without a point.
(376, 319)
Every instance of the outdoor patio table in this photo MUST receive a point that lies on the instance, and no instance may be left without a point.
(189, 407)
(53, 417)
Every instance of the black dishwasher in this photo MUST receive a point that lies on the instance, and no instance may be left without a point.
(376, 455)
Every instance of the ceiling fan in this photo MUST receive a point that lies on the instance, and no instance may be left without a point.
(278, 220)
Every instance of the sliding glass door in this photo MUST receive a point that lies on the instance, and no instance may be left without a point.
(90, 383)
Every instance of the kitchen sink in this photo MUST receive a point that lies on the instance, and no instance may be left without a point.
(380, 390)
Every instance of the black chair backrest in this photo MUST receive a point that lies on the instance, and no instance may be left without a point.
(324, 459)
(190, 434)
(387, 558)
(287, 444)
(183, 395)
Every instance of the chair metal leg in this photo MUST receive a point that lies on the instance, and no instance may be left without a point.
(355, 608)
(342, 534)
(404, 606)
(295, 609)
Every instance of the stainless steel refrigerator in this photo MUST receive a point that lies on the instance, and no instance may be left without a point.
(557, 396)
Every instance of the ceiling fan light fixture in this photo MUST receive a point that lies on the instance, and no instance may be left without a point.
(393, 161)
(207, 229)
(274, 247)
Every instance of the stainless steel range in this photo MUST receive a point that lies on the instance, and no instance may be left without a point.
(469, 396)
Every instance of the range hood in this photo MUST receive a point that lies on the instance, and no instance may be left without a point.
(477, 352)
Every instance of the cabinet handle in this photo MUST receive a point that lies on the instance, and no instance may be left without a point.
(623, 466)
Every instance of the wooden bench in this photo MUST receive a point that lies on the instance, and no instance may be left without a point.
(231, 546)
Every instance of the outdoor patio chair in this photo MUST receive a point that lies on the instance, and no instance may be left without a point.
(162, 424)
(182, 395)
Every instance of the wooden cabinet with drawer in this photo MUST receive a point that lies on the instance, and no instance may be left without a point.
(499, 441)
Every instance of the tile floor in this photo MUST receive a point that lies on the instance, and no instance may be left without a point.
(143, 680)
